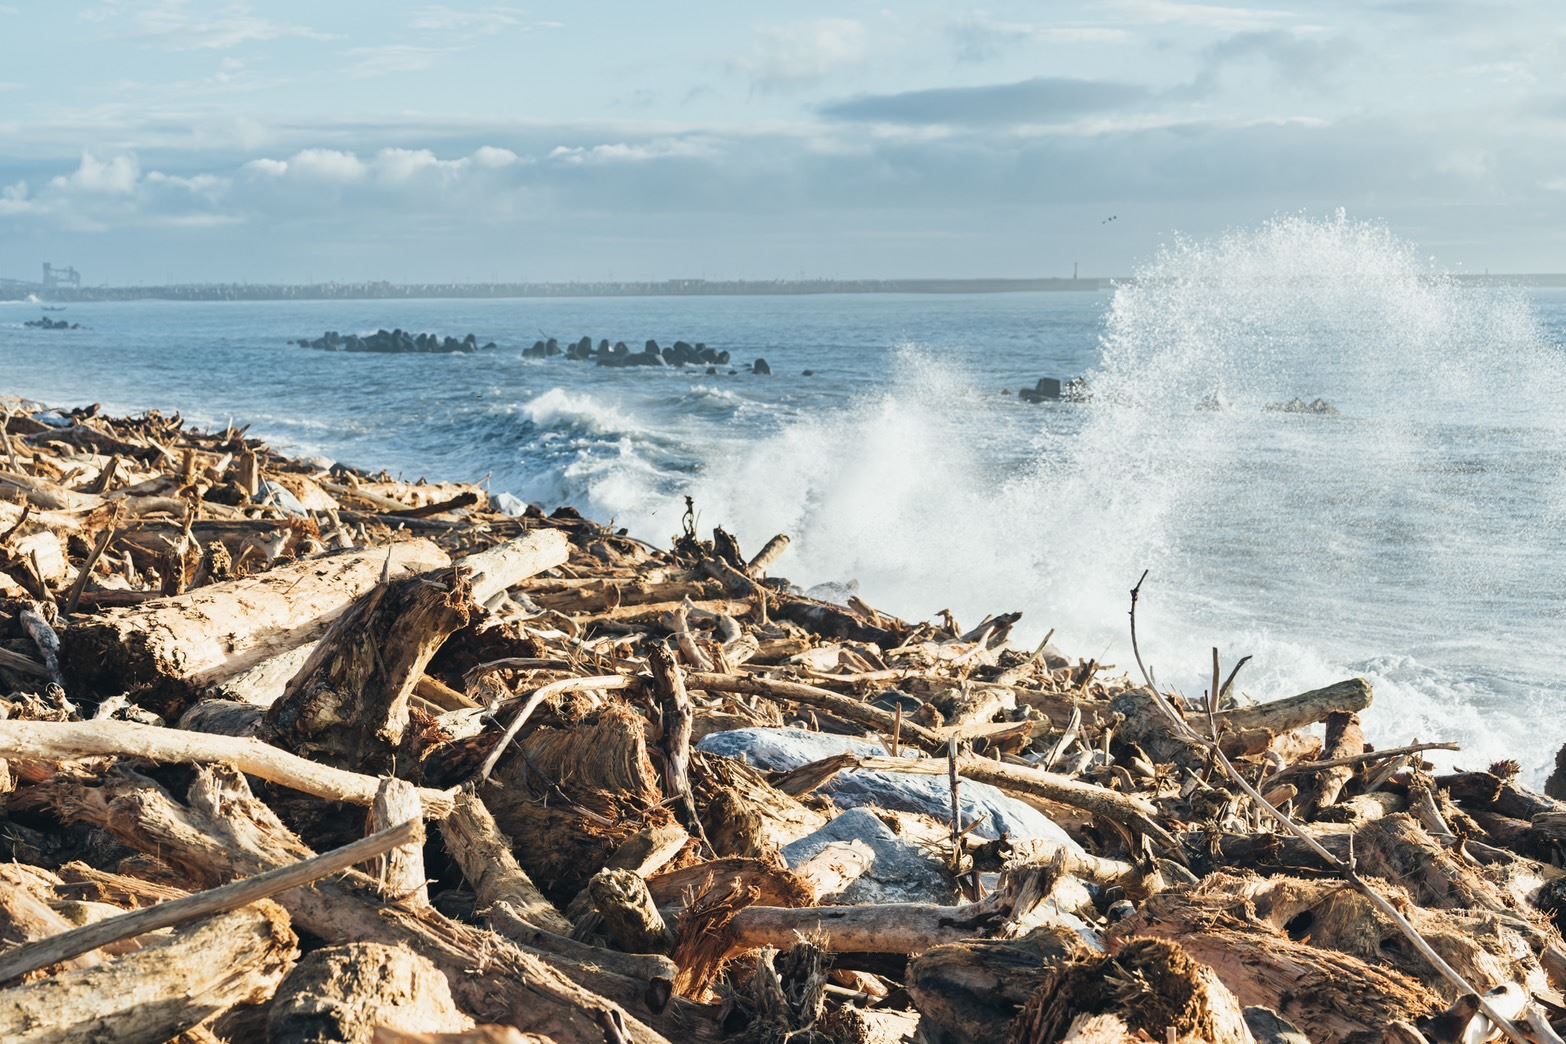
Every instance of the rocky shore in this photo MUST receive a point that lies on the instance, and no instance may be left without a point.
(294, 751)
(397, 341)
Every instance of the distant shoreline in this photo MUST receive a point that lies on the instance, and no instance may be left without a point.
(13, 290)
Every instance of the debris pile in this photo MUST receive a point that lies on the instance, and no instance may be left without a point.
(296, 752)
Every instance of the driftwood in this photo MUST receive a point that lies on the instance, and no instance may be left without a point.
(548, 690)
(167, 987)
(349, 993)
(166, 650)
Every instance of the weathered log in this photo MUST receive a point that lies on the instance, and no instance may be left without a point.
(1398, 849)
(1330, 995)
(65, 740)
(814, 696)
(1296, 712)
(476, 1035)
(399, 870)
(168, 987)
(166, 650)
(346, 993)
(1344, 739)
(225, 832)
(974, 990)
(744, 815)
(1152, 986)
(104, 933)
(630, 918)
(348, 705)
(484, 854)
(674, 710)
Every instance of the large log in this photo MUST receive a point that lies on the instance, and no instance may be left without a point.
(345, 993)
(167, 650)
(1296, 712)
(349, 704)
(225, 832)
(160, 991)
(974, 990)
(1328, 994)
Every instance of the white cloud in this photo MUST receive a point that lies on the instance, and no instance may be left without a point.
(484, 21)
(621, 152)
(117, 177)
(329, 165)
(173, 25)
(494, 158)
(393, 59)
(269, 167)
(13, 200)
(1206, 16)
(788, 56)
(977, 37)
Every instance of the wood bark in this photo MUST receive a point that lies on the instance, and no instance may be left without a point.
(225, 832)
(348, 705)
(346, 993)
(166, 650)
(1152, 986)
(674, 708)
(1296, 712)
(631, 920)
(170, 986)
(973, 990)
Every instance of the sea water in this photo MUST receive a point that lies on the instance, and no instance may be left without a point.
(1414, 536)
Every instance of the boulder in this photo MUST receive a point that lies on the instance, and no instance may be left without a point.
(903, 871)
(507, 504)
(781, 750)
(1046, 390)
(1555, 786)
(760, 366)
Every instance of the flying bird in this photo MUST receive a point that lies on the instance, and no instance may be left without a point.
(1110, 218)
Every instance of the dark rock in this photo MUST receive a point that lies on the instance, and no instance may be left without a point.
(1555, 786)
(760, 366)
(807, 373)
(1046, 390)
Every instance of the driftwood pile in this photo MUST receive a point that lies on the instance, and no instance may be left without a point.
(372, 762)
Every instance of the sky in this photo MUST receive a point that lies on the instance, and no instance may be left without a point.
(196, 141)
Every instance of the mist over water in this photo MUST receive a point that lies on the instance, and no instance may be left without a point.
(1413, 537)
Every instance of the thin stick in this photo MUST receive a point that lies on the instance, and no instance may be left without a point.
(1349, 873)
(98, 548)
(897, 729)
(1136, 650)
(58, 740)
(953, 780)
(1369, 755)
(32, 956)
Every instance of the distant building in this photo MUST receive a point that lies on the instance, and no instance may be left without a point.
(55, 278)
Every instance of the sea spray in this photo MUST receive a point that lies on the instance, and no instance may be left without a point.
(1406, 537)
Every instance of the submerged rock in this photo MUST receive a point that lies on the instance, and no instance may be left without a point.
(1046, 390)
(760, 367)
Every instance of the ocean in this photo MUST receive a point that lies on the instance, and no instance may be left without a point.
(1414, 535)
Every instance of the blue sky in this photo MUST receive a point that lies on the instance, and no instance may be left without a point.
(202, 141)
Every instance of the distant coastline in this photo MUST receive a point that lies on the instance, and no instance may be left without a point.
(16, 290)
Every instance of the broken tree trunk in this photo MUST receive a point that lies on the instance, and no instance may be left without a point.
(344, 993)
(166, 650)
(631, 920)
(1299, 711)
(1344, 739)
(162, 990)
(225, 832)
(348, 705)
(1152, 986)
(974, 990)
